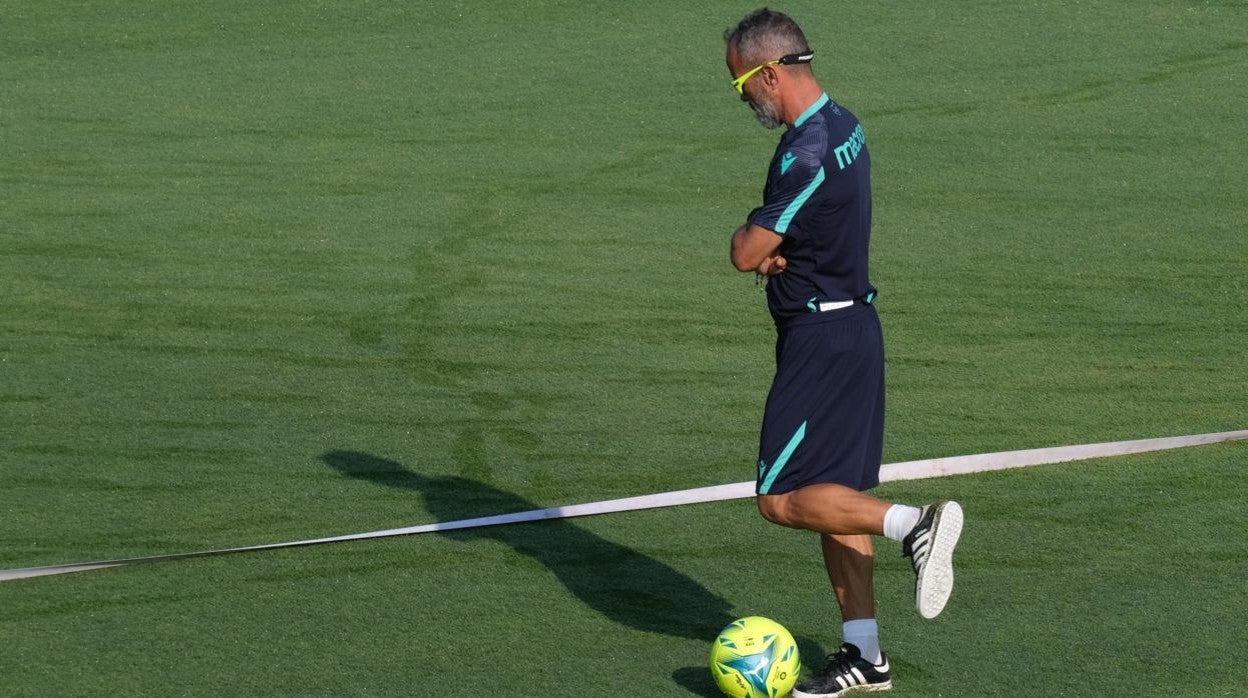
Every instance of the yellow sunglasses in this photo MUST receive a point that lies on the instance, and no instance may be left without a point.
(791, 59)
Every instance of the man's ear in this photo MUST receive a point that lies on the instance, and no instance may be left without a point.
(771, 76)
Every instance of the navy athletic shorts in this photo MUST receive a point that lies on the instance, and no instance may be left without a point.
(824, 420)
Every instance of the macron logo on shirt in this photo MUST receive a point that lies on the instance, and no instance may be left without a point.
(848, 151)
(786, 161)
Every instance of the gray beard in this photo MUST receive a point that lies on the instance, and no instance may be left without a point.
(767, 115)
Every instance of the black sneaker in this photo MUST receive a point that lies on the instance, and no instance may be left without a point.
(930, 549)
(846, 671)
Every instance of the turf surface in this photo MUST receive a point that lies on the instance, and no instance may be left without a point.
(287, 270)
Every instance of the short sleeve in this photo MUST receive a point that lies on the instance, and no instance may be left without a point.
(795, 176)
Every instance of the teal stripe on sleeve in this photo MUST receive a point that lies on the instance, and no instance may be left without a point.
(781, 460)
(782, 225)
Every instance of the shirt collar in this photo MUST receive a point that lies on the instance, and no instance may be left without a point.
(810, 111)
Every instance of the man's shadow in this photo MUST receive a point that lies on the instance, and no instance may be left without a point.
(618, 582)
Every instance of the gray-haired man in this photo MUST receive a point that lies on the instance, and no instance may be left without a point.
(823, 425)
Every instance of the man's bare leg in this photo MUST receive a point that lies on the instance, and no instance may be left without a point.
(850, 561)
(826, 508)
(851, 569)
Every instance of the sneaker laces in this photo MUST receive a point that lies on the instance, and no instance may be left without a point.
(838, 663)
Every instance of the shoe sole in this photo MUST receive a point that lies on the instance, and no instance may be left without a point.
(935, 582)
(863, 688)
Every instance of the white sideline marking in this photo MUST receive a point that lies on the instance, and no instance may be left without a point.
(909, 470)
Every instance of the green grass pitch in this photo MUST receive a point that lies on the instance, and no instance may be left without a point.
(281, 270)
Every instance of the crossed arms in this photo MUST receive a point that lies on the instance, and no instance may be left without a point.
(754, 249)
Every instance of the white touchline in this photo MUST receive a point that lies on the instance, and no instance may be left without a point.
(892, 472)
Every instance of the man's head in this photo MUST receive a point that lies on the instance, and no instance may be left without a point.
(756, 48)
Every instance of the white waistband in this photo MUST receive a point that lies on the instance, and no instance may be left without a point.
(834, 305)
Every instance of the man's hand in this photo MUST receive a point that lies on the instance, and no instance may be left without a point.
(772, 266)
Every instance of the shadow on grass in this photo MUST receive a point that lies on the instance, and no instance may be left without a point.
(618, 582)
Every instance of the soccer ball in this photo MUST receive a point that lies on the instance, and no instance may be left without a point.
(755, 657)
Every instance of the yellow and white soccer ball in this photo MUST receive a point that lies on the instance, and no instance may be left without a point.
(755, 657)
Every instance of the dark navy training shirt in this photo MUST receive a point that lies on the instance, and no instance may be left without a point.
(818, 196)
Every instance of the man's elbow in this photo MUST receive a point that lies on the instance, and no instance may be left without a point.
(742, 264)
(737, 253)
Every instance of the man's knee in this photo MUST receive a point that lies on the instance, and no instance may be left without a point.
(774, 508)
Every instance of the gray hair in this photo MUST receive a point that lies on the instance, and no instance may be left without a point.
(765, 35)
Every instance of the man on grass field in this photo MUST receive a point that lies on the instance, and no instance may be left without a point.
(823, 426)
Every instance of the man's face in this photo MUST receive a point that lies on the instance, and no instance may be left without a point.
(755, 91)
